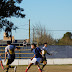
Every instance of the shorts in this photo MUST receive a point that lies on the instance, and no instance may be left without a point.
(43, 59)
(9, 61)
(34, 60)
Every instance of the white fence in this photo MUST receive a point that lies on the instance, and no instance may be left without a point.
(49, 61)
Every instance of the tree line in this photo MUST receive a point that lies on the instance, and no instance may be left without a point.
(41, 36)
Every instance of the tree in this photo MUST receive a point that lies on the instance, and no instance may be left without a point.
(66, 39)
(8, 8)
(40, 35)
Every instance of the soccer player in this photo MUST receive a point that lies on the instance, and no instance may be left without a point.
(44, 52)
(10, 52)
(1, 62)
(36, 58)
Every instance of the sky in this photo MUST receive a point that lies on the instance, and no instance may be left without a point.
(53, 14)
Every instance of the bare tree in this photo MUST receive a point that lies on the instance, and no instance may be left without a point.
(40, 35)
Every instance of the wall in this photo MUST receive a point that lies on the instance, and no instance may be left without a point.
(49, 61)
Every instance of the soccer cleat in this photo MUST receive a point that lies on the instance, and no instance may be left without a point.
(26, 70)
(15, 69)
(40, 70)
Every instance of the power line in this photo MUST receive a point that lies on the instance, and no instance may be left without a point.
(46, 30)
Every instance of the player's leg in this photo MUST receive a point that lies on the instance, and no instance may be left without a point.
(37, 63)
(1, 64)
(7, 65)
(39, 68)
(44, 63)
(9, 61)
(32, 62)
(29, 67)
(12, 66)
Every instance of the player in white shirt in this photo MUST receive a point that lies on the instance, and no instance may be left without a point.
(10, 52)
(44, 52)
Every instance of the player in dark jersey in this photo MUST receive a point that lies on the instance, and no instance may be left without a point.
(10, 52)
(44, 52)
(36, 58)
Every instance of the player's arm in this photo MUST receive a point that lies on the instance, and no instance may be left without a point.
(40, 51)
(5, 56)
(33, 57)
(17, 48)
(49, 53)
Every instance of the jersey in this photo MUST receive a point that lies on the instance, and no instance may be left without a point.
(37, 52)
(10, 51)
(44, 51)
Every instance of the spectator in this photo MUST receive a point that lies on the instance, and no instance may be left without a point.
(24, 44)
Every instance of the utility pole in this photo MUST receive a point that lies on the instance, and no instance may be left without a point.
(29, 30)
(33, 34)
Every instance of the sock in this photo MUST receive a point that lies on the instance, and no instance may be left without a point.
(26, 69)
(2, 66)
(39, 69)
(43, 66)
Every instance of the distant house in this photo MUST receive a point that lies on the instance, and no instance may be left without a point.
(8, 38)
(5, 39)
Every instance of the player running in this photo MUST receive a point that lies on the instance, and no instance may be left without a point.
(10, 51)
(44, 52)
(36, 58)
(1, 62)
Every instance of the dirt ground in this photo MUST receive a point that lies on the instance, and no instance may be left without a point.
(48, 68)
